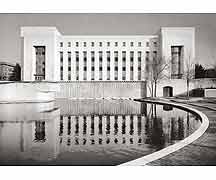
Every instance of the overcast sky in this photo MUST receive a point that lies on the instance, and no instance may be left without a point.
(108, 24)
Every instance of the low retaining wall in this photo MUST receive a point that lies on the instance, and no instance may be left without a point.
(27, 92)
(102, 89)
(210, 93)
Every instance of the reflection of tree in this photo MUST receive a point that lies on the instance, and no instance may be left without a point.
(154, 128)
(177, 128)
(181, 128)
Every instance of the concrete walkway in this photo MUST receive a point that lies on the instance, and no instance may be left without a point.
(203, 150)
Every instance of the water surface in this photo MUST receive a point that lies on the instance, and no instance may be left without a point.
(88, 132)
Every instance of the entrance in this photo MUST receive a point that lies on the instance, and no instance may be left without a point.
(167, 91)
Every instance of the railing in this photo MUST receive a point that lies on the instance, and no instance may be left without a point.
(39, 77)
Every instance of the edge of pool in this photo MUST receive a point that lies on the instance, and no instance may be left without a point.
(172, 148)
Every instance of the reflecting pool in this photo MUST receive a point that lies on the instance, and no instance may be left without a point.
(88, 132)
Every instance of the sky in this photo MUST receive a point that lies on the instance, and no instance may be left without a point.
(109, 24)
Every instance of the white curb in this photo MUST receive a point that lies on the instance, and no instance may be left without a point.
(172, 148)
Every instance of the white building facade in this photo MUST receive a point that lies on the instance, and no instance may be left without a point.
(50, 56)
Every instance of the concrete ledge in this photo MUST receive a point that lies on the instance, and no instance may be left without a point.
(23, 92)
(210, 93)
(172, 148)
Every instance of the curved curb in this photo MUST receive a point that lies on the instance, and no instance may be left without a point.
(172, 148)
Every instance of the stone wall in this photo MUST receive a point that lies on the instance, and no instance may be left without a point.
(180, 86)
(102, 89)
(27, 92)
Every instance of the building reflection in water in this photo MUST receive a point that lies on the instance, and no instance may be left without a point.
(40, 131)
(145, 126)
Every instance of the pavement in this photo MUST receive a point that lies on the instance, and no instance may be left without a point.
(201, 152)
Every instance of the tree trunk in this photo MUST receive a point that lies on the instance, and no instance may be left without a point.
(152, 90)
(155, 89)
(188, 94)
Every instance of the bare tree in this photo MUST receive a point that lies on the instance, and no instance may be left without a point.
(156, 73)
(189, 72)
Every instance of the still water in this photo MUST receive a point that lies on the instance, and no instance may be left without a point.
(88, 132)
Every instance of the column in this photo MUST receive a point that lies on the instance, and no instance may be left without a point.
(88, 65)
(96, 127)
(135, 66)
(120, 129)
(96, 65)
(104, 73)
(143, 65)
(128, 64)
(73, 66)
(120, 65)
(73, 121)
(135, 135)
(127, 132)
(80, 128)
(112, 120)
(111, 65)
(65, 65)
(88, 132)
(80, 65)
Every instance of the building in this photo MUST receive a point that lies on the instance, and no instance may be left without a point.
(48, 55)
(9, 72)
(6, 71)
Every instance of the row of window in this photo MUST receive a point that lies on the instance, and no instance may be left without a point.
(108, 44)
(116, 53)
(116, 69)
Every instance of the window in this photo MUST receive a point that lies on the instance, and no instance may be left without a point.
(139, 44)
(84, 56)
(69, 65)
(84, 65)
(155, 44)
(176, 62)
(100, 56)
(131, 56)
(61, 44)
(108, 65)
(77, 65)
(84, 44)
(131, 44)
(147, 55)
(77, 44)
(154, 55)
(147, 61)
(100, 64)
(139, 56)
(139, 64)
(124, 65)
(92, 56)
(124, 44)
(92, 64)
(147, 44)
(116, 65)
(108, 44)
(116, 44)
(100, 44)
(131, 64)
(61, 65)
(69, 44)
(92, 44)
